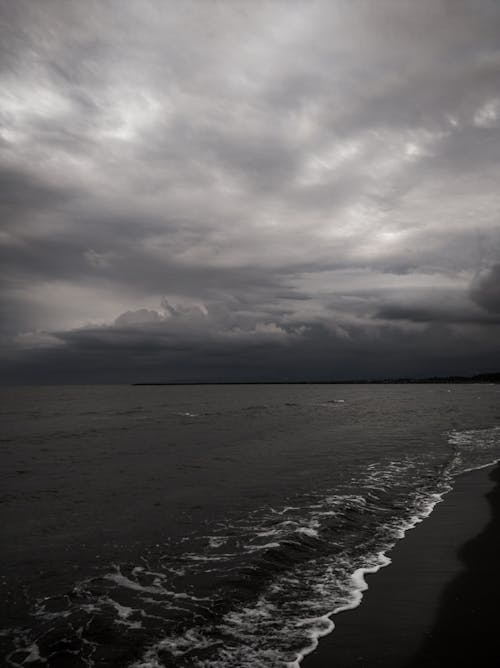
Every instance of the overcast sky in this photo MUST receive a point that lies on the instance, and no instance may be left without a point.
(249, 190)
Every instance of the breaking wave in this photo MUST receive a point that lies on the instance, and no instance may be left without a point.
(258, 590)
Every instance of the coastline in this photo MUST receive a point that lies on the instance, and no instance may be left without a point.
(409, 615)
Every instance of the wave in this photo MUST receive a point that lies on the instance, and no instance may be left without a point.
(476, 442)
(260, 589)
(308, 566)
(325, 582)
(359, 584)
(474, 449)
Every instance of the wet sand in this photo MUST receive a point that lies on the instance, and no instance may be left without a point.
(436, 604)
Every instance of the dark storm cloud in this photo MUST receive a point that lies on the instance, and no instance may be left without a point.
(486, 290)
(21, 193)
(203, 189)
(430, 315)
(320, 354)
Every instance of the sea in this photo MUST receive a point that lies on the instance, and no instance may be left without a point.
(214, 526)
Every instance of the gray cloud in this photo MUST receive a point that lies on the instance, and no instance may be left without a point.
(485, 290)
(209, 189)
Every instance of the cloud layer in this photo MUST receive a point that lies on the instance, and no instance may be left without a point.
(249, 190)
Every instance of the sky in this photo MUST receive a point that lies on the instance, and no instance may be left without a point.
(269, 190)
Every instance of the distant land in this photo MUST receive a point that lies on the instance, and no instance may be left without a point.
(478, 378)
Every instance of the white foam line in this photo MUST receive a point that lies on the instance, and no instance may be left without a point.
(307, 531)
(267, 546)
(123, 581)
(285, 510)
(478, 468)
(264, 534)
(123, 611)
(358, 579)
(202, 557)
(324, 625)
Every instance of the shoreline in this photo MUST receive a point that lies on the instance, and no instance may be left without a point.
(400, 620)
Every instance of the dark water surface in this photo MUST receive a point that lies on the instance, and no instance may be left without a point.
(213, 525)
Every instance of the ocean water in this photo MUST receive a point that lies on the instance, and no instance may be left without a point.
(214, 526)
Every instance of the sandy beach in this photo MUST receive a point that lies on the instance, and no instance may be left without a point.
(436, 603)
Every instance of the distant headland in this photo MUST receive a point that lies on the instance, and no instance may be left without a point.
(477, 378)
